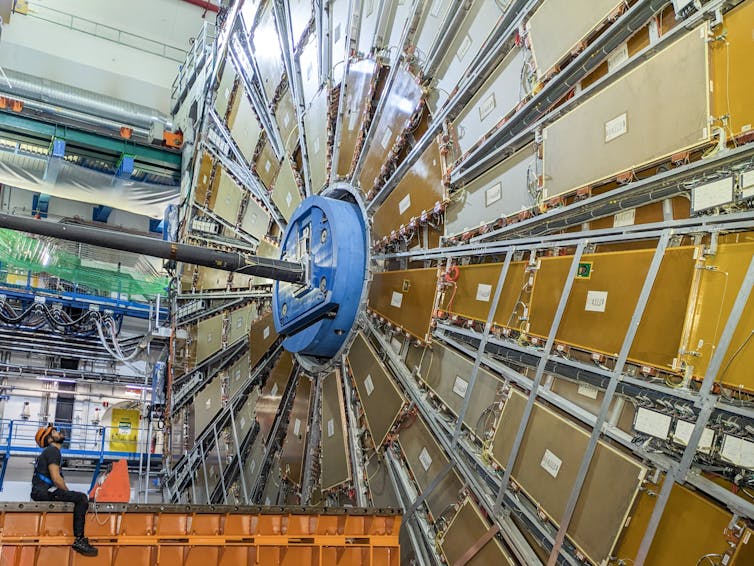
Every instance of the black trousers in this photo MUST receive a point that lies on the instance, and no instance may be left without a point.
(80, 505)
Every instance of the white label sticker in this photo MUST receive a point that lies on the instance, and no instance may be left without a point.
(239, 322)
(487, 106)
(551, 463)
(288, 199)
(267, 166)
(588, 390)
(616, 127)
(618, 57)
(404, 204)
(209, 337)
(483, 292)
(227, 93)
(460, 386)
(396, 300)
(368, 384)
(208, 404)
(297, 427)
(274, 390)
(425, 459)
(330, 428)
(387, 138)
(596, 301)
(266, 333)
(493, 194)
(253, 466)
(625, 218)
(286, 120)
(352, 118)
(267, 501)
(463, 48)
(316, 145)
(243, 422)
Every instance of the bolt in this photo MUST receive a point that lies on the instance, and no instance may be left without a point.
(323, 235)
(284, 309)
(323, 284)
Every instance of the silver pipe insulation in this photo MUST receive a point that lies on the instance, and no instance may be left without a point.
(84, 101)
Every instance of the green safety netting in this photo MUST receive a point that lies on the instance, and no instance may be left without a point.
(21, 254)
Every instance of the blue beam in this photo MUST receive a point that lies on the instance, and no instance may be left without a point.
(101, 213)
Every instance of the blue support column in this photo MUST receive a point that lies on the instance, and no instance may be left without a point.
(40, 205)
(7, 454)
(125, 167)
(101, 213)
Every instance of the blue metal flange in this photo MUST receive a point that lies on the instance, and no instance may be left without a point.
(328, 236)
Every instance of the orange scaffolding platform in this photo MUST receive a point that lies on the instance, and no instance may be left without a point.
(200, 535)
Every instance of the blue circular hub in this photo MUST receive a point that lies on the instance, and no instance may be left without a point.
(328, 236)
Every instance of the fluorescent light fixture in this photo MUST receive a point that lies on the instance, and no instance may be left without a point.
(57, 379)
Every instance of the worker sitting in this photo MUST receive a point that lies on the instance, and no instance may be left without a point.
(48, 485)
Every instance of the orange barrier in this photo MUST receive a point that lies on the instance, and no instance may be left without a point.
(115, 487)
(186, 535)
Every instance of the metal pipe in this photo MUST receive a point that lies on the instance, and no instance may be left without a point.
(209, 6)
(80, 100)
(228, 261)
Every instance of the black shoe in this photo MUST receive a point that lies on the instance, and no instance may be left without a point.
(82, 546)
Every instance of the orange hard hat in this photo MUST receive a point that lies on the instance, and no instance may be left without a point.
(43, 434)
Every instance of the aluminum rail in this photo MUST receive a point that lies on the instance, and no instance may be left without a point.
(228, 261)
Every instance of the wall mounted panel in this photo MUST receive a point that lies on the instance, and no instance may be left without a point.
(267, 51)
(547, 465)
(406, 298)
(208, 338)
(285, 194)
(658, 109)
(358, 85)
(336, 468)
(316, 126)
(501, 191)
(381, 399)
(261, 337)
(267, 165)
(293, 451)
(227, 201)
(272, 393)
(244, 125)
(256, 219)
(240, 320)
(225, 88)
(238, 376)
(467, 527)
(401, 101)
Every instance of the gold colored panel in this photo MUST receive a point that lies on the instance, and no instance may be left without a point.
(406, 298)
(381, 491)
(602, 328)
(627, 125)
(471, 298)
(546, 467)
(210, 279)
(256, 220)
(285, 116)
(646, 214)
(228, 198)
(267, 249)
(419, 190)
(558, 26)
(316, 125)
(202, 181)
(207, 403)
(243, 124)
(718, 286)
(335, 465)
(732, 70)
(267, 51)
(267, 165)
(272, 393)
(238, 376)
(590, 398)
(245, 418)
(358, 85)
(239, 324)
(294, 446)
(286, 195)
(261, 337)
(426, 460)
(252, 462)
(466, 528)
(381, 399)
(402, 101)
(209, 337)
(448, 376)
(225, 88)
(691, 526)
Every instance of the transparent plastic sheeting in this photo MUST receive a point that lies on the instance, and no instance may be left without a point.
(24, 253)
(60, 178)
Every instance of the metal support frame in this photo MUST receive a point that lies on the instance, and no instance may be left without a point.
(312, 442)
(220, 465)
(540, 372)
(429, 489)
(628, 341)
(481, 488)
(244, 489)
(483, 343)
(355, 451)
(706, 404)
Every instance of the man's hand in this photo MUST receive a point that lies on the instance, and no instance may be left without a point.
(56, 478)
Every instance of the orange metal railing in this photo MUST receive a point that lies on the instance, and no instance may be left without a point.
(186, 535)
